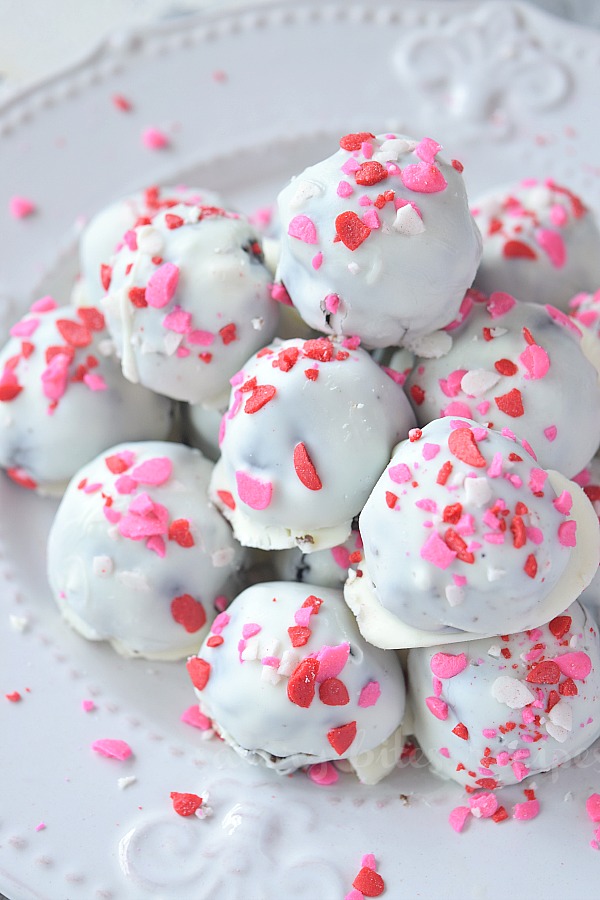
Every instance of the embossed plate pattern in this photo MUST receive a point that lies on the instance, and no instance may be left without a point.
(511, 93)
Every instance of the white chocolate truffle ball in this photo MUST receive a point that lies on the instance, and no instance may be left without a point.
(189, 300)
(137, 554)
(288, 682)
(63, 398)
(310, 428)
(589, 480)
(540, 243)
(378, 240)
(465, 535)
(488, 713)
(520, 366)
(103, 235)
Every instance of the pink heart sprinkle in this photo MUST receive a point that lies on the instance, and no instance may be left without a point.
(553, 246)
(369, 695)
(154, 139)
(435, 551)
(44, 304)
(499, 304)
(427, 150)
(341, 556)
(250, 629)
(303, 228)
(95, 382)
(483, 805)
(112, 748)
(575, 665)
(203, 338)
(21, 207)
(162, 285)
(192, 716)
(55, 377)
(369, 862)
(567, 533)
(324, 773)
(400, 473)
(332, 660)
(423, 178)
(437, 707)
(536, 361)
(153, 471)
(178, 321)
(526, 811)
(157, 545)
(447, 665)
(458, 817)
(24, 328)
(563, 503)
(592, 805)
(252, 491)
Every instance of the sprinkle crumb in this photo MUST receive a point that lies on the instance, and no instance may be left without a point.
(21, 207)
(122, 103)
(154, 139)
(126, 782)
(41, 826)
(114, 749)
(88, 705)
(14, 697)
(220, 76)
(18, 623)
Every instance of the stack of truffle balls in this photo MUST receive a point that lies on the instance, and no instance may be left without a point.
(390, 460)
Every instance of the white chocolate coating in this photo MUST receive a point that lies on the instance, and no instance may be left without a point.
(64, 398)
(521, 704)
(137, 555)
(378, 241)
(464, 533)
(103, 235)
(540, 243)
(520, 366)
(278, 701)
(310, 427)
(190, 302)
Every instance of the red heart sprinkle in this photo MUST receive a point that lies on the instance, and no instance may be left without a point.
(351, 230)
(461, 731)
(444, 473)
(355, 141)
(188, 612)
(506, 367)
(452, 513)
(172, 221)
(391, 499)
(116, 464)
(215, 640)
(305, 469)
(185, 804)
(500, 815)
(199, 672)
(454, 542)
(20, 477)
(287, 359)
(333, 692)
(259, 397)
(559, 626)
(314, 602)
(56, 350)
(568, 688)
(137, 295)
(105, 276)
(417, 393)
(318, 348)
(91, 317)
(511, 403)
(463, 445)
(301, 685)
(341, 738)
(74, 334)
(530, 567)
(369, 882)
(179, 531)
(370, 172)
(299, 635)
(518, 250)
(518, 531)
(227, 498)
(553, 699)
(546, 672)
(228, 333)
(9, 391)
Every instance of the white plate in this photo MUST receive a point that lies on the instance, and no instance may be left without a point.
(511, 93)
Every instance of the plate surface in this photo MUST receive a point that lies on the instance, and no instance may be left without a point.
(247, 99)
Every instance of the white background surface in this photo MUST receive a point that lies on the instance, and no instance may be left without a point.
(39, 36)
